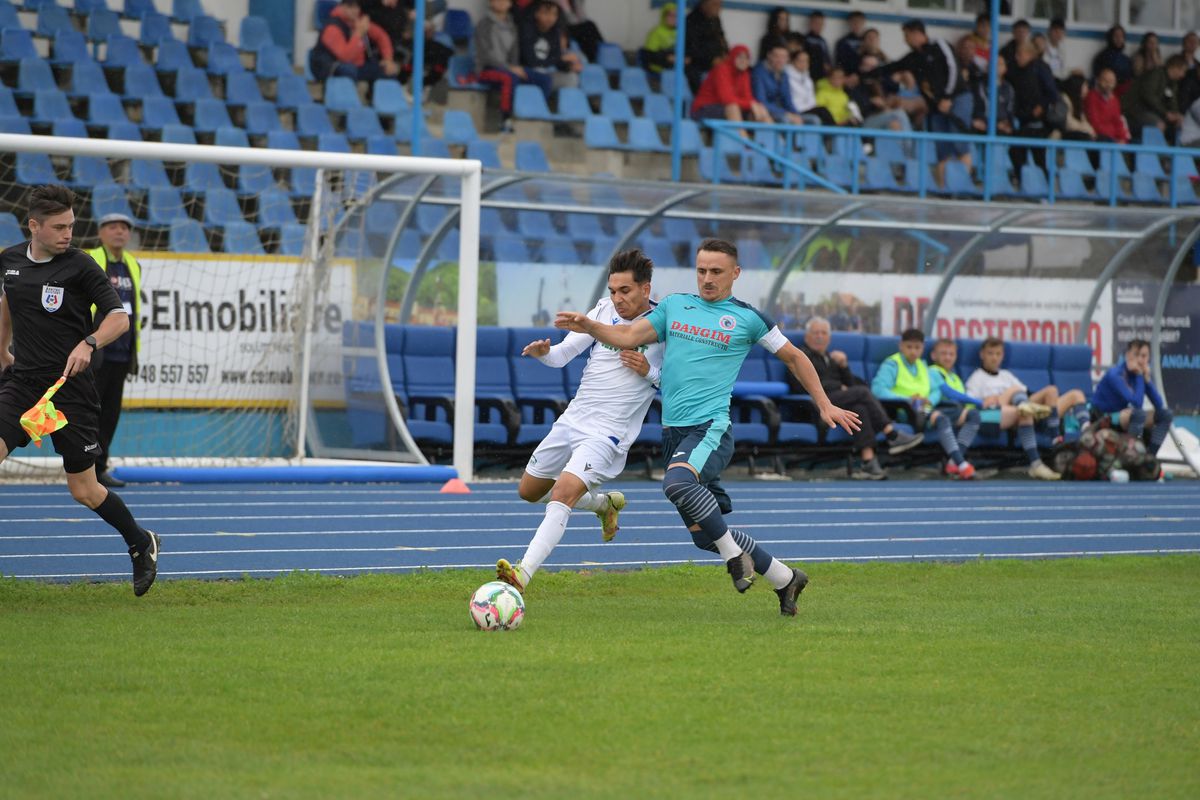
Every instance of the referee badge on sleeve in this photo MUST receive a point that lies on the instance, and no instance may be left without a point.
(52, 298)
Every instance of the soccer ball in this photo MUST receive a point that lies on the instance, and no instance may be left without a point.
(496, 606)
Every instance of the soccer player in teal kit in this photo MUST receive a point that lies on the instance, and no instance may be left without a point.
(708, 336)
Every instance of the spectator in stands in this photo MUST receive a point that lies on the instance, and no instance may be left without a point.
(1153, 99)
(954, 402)
(397, 18)
(1189, 128)
(1005, 100)
(1034, 94)
(113, 363)
(1148, 56)
(581, 29)
(658, 53)
(1078, 128)
(726, 92)
(879, 109)
(846, 51)
(803, 90)
(498, 56)
(832, 96)
(769, 84)
(870, 47)
(833, 369)
(705, 41)
(976, 46)
(1189, 87)
(779, 25)
(1056, 50)
(1001, 390)
(1113, 56)
(1021, 33)
(541, 45)
(1103, 109)
(818, 48)
(1122, 393)
(352, 46)
(903, 377)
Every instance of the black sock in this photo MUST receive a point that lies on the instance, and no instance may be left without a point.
(114, 511)
(891, 435)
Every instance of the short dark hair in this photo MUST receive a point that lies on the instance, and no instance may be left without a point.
(984, 17)
(1022, 23)
(820, 14)
(1176, 61)
(855, 15)
(913, 335)
(712, 245)
(913, 25)
(545, 4)
(634, 261)
(1058, 22)
(1136, 344)
(991, 342)
(49, 201)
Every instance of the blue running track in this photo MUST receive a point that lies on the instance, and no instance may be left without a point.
(225, 531)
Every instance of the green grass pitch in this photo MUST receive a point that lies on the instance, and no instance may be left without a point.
(1054, 679)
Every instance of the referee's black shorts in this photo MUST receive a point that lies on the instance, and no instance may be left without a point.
(78, 442)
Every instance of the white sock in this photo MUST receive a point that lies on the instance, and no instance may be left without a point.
(728, 547)
(779, 574)
(592, 501)
(548, 535)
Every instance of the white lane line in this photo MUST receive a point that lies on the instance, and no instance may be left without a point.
(665, 511)
(667, 562)
(618, 544)
(627, 528)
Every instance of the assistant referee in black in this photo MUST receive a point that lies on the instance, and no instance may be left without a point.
(46, 316)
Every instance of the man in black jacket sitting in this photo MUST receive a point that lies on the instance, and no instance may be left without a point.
(851, 392)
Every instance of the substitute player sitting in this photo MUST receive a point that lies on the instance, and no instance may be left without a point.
(46, 314)
(961, 408)
(588, 444)
(1000, 389)
(1123, 391)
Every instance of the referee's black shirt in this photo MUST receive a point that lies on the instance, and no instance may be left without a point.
(50, 305)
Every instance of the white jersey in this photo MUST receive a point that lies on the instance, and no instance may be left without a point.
(612, 399)
(984, 384)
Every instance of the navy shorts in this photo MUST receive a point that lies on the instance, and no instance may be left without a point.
(707, 447)
(79, 441)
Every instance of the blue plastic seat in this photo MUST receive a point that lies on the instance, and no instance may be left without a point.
(1184, 164)
(70, 47)
(610, 57)
(333, 143)
(460, 74)
(458, 128)
(49, 105)
(530, 157)
(8, 16)
(164, 206)
(341, 94)
(241, 88)
(1071, 368)
(584, 227)
(192, 84)
(223, 59)
(272, 62)
(879, 177)
(1148, 164)
(428, 358)
(34, 75)
(1071, 185)
(633, 82)
(1104, 180)
(643, 137)
(102, 23)
(171, 56)
(148, 174)
(141, 81)
(229, 136)
(485, 153)
(121, 51)
(1078, 160)
(530, 103)
(275, 208)
(573, 105)
(187, 236)
(253, 33)
(457, 24)
(1185, 190)
(382, 146)
(434, 148)
(1145, 188)
(534, 224)
(51, 19)
(110, 198)
(1109, 159)
(262, 118)
(1153, 137)
(16, 44)
(139, 8)
(593, 80)
(958, 180)
(283, 140)
(511, 249)
(211, 114)
(837, 170)
(1033, 182)
(1030, 362)
(659, 108)
(200, 177)
(8, 104)
(156, 29)
(69, 127)
(290, 238)
(362, 123)
(615, 106)
(158, 112)
(388, 98)
(15, 124)
(34, 169)
(221, 207)
(689, 134)
(124, 132)
(312, 120)
(203, 31)
(178, 134)
(87, 77)
(667, 87)
(186, 10)
(105, 108)
(291, 91)
(598, 133)
(10, 229)
(254, 179)
(877, 349)
(241, 237)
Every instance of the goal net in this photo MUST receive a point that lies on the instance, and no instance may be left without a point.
(263, 289)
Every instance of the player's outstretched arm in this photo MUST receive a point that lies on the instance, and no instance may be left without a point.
(625, 337)
(802, 368)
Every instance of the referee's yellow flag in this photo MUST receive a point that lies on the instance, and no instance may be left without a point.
(44, 419)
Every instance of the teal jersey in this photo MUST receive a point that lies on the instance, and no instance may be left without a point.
(706, 344)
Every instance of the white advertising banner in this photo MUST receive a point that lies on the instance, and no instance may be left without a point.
(221, 332)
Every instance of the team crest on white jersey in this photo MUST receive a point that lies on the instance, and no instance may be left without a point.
(52, 298)
(727, 323)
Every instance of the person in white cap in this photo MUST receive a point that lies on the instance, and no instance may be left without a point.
(119, 358)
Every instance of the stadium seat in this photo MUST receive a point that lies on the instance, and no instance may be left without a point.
(10, 229)
(178, 134)
(275, 208)
(484, 152)
(362, 123)
(531, 158)
(1071, 185)
(876, 349)
(200, 177)
(1033, 182)
(101, 24)
(1145, 188)
(434, 148)
(291, 239)
(610, 57)
(643, 137)
(141, 82)
(138, 9)
(192, 84)
(598, 133)
(223, 59)
(210, 114)
(229, 136)
(427, 354)
(51, 19)
(203, 31)
(69, 47)
(8, 105)
(333, 143)
(34, 169)
(615, 106)
(1078, 160)
(156, 29)
(958, 180)
(124, 132)
(164, 206)
(221, 206)
(105, 108)
(1184, 164)
(16, 44)
(87, 77)
(659, 108)
(241, 88)
(158, 112)
(835, 169)
(540, 390)
(1071, 368)
(530, 103)
(110, 198)
(341, 94)
(121, 51)
(262, 119)
(241, 237)
(272, 62)
(1149, 164)
(879, 177)
(283, 140)
(573, 105)
(69, 127)
(1109, 158)
(1104, 180)
(15, 124)
(8, 16)
(312, 120)
(148, 174)
(1030, 362)
(388, 98)
(511, 249)
(291, 91)
(497, 416)
(1185, 190)
(34, 75)
(170, 56)
(460, 74)
(186, 10)
(458, 128)
(50, 105)
(382, 146)
(1153, 137)
(457, 24)
(633, 82)
(253, 33)
(187, 236)
(559, 251)
(593, 80)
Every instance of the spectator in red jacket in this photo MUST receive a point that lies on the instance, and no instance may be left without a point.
(726, 92)
(1103, 109)
(352, 46)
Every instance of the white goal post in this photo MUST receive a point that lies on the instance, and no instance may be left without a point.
(469, 172)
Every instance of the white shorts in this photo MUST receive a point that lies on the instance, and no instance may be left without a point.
(593, 459)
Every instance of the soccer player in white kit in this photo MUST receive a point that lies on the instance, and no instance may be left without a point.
(588, 444)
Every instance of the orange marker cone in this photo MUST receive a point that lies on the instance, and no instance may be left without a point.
(455, 486)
